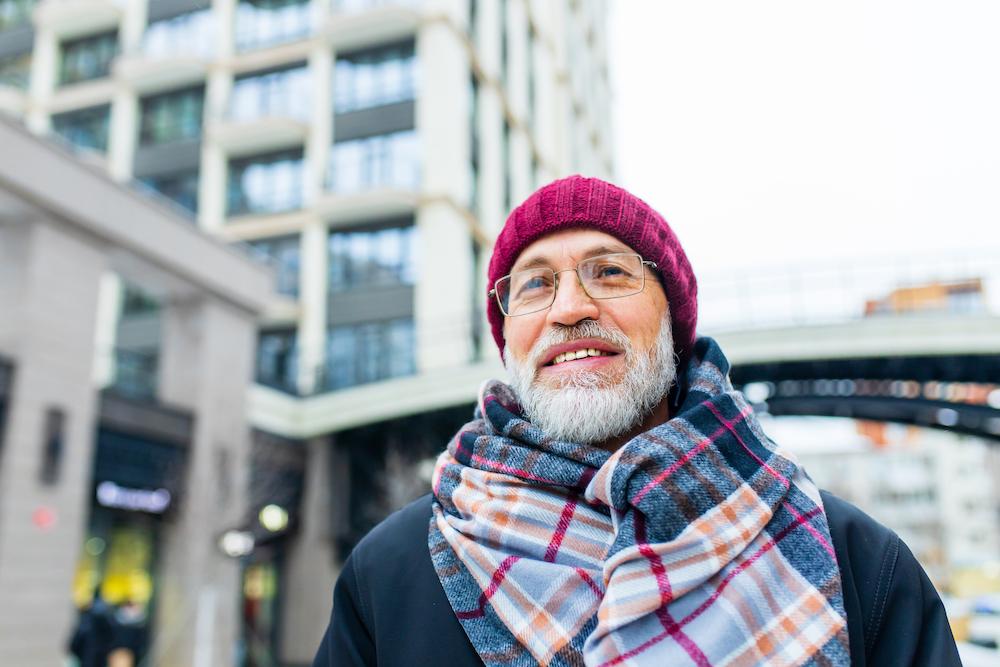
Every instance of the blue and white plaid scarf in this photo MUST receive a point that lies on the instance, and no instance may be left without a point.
(699, 542)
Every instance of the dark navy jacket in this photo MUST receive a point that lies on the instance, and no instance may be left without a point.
(390, 610)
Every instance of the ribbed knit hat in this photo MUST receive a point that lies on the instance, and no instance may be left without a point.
(590, 203)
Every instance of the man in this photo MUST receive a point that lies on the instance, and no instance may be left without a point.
(618, 504)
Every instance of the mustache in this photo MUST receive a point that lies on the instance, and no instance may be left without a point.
(584, 329)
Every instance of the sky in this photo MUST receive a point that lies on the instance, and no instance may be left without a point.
(794, 132)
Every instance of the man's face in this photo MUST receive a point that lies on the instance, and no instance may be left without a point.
(595, 397)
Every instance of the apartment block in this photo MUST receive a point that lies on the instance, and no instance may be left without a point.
(368, 151)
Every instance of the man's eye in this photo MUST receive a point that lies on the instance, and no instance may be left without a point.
(531, 284)
(609, 271)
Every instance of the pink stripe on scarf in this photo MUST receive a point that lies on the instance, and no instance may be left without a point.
(561, 528)
(498, 577)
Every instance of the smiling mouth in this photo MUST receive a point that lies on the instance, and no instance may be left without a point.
(579, 354)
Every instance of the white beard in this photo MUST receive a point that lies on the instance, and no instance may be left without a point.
(591, 407)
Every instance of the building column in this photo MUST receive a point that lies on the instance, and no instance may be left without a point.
(320, 138)
(311, 335)
(44, 74)
(310, 569)
(206, 364)
(49, 284)
(212, 175)
(122, 133)
(442, 302)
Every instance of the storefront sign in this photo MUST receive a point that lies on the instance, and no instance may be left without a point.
(110, 494)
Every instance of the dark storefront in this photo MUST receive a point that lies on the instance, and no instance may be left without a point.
(139, 473)
(276, 483)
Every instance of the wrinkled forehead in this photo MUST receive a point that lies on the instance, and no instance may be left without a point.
(568, 246)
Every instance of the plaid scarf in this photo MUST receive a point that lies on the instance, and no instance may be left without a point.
(699, 542)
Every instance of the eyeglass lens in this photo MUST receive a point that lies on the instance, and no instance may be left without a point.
(602, 277)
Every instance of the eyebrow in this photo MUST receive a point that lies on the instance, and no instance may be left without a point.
(543, 260)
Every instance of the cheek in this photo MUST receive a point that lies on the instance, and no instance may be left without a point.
(519, 336)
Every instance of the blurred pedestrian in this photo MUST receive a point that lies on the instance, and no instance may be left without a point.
(95, 631)
(129, 636)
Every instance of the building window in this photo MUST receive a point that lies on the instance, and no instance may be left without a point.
(266, 183)
(277, 359)
(381, 258)
(190, 34)
(383, 161)
(283, 254)
(15, 13)
(85, 128)
(174, 116)
(15, 70)
(261, 23)
(181, 187)
(375, 77)
(369, 352)
(285, 93)
(53, 445)
(137, 352)
(88, 58)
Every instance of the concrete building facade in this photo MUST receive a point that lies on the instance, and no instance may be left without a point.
(75, 458)
(370, 150)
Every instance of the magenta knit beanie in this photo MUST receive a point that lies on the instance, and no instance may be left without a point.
(591, 203)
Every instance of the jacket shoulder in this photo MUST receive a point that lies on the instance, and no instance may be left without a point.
(400, 598)
(894, 615)
(400, 533)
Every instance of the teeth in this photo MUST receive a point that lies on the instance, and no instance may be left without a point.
(578, 354)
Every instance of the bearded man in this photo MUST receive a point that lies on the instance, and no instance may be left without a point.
(618, 503)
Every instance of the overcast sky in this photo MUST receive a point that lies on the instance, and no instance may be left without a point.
(776, 132)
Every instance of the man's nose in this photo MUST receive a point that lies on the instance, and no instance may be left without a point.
(572, 305)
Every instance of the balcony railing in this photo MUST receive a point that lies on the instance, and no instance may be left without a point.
(356, 6)
(191, 34)
(285, 94)
(384, 161)
(266, 23)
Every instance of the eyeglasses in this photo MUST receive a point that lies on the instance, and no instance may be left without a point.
(601, 277)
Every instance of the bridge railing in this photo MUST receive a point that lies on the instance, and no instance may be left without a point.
(837, 292)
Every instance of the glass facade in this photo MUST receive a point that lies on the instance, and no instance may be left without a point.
(88, 58)
(383, 161)
(174, 116)
(15, 70)
(383, 258)
(277, 359)
(86, 128)
(266, 183)
(14, 13)
(285, 93)
(375, 77)
(261, 23)
(284, 254)
(369, 352)
(190, 34)
(181, 187)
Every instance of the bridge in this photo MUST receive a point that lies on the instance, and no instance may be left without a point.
(932, 371)
(909, 340)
